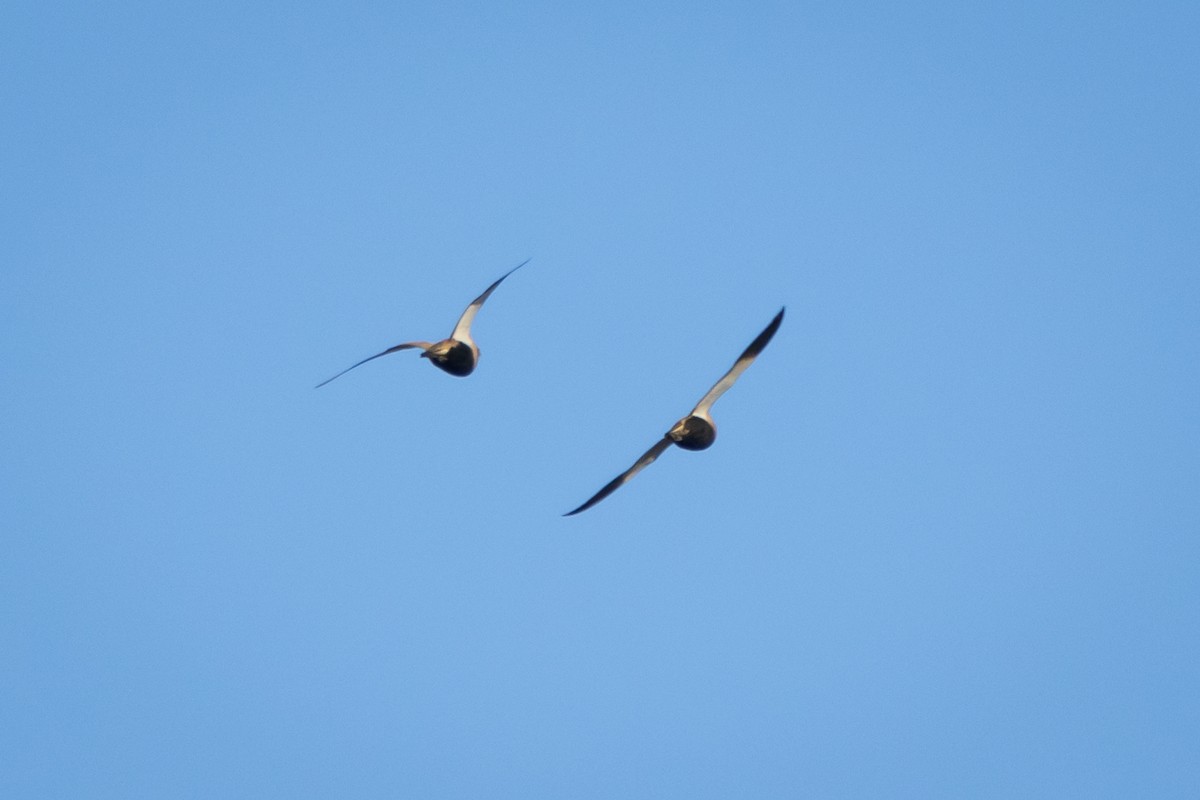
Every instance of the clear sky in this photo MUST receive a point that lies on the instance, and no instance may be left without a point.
(945, 546)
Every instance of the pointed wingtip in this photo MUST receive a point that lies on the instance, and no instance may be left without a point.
(765, 337)
(769, 331)
(517, 267)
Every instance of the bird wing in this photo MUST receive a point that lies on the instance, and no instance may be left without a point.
(744, 360)
(616, 483)
(405, 346)
(462, 331)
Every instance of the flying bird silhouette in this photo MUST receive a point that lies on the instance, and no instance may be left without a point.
(458, 354)
(696, 431)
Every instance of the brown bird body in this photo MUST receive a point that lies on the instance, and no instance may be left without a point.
(458, 354)
(696, 431)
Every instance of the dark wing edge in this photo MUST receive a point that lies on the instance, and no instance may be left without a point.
(489, 289)
(405, 346)
(763, 338)
(616, 483)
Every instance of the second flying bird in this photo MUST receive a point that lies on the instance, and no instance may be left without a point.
(696, 431)
(457, 354)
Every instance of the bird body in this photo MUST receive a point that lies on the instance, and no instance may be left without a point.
(453, 357)
(693, 432)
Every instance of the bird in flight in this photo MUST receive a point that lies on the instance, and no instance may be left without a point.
(696, 431)
(456, 355)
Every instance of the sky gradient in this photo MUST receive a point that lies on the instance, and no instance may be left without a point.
(945, 545)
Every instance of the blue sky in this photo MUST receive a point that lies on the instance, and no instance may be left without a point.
(944, 546)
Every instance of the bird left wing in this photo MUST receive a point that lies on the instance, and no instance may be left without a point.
(462, 331)
(616, 483)
(405, 346)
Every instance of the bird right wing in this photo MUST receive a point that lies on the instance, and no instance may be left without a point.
(744, 360)
(405, 346)
(462, 330)
(616, 483)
